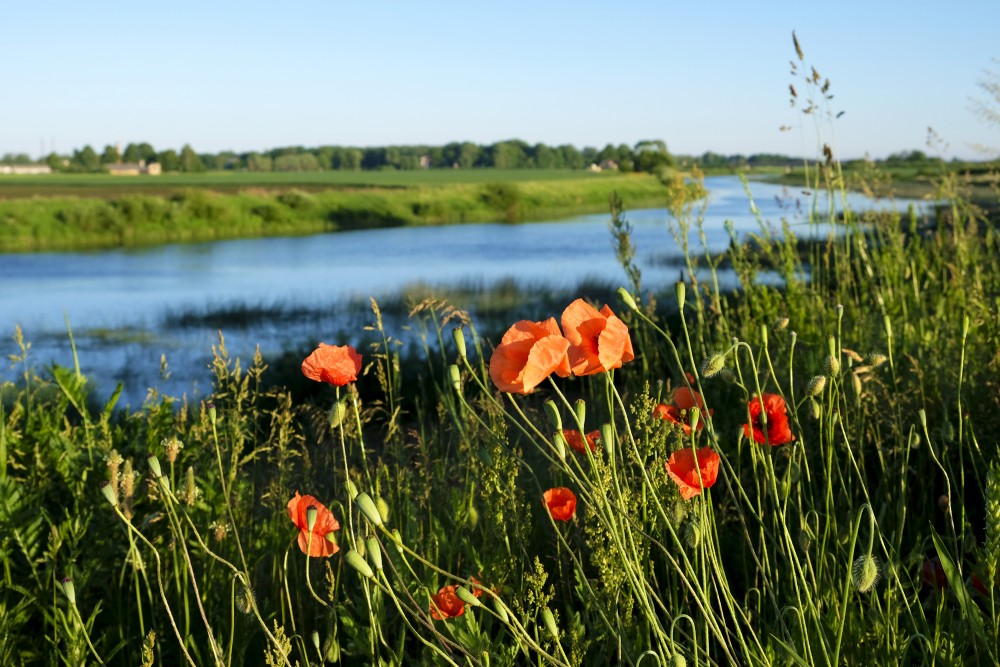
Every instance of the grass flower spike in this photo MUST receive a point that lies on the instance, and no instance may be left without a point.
(684, 468)
(333, 364)
(528, 353)
(324, 525)
(599, 341)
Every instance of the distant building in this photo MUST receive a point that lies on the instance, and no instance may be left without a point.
(25, 169)
(135, 169)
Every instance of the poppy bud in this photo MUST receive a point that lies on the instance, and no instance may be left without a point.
(888, 327)
(763, 334)
(560, 442)
(468, 598)
(831, 365)
(69, 589)
(352, 491)
(713, 365)
(816, 386)
(337, 413)
(109, 493)
(815, 408)
(607, 439)
(154, 465)
(627, 299)
(679, 660)
(856, 381)
(552, 410)
(211, 413)
(375, 553)
(875, 359)
(397, 539)
(456, 377)
(358, 562)
(694, 415)
(367, 507)
(501, 610)
(581, 411)
(865, 573)
(780, 324)
(459, 337)
(550, 621)
(383, 508)
(680, 289)
(473, 515)
(315, 639)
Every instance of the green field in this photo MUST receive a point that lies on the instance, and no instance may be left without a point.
(104, 185)
(230, 206)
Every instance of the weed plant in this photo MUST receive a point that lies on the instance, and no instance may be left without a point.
(844, 509)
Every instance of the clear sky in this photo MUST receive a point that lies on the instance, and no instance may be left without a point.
(701, 75)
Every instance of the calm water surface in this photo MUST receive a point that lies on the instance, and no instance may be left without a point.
(116, 301)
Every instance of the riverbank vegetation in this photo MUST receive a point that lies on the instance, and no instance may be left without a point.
(805, 474)
(200, 213)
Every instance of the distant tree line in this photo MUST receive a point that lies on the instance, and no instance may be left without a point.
(647, 156)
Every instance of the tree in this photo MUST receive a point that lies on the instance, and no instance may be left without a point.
(110, 155)
(131, 154)
(190, 161)
(651, 156)
(169, 160)
(87, 159)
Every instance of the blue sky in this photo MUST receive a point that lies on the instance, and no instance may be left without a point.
(702, 76)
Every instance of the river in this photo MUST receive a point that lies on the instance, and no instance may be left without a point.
(128, 307)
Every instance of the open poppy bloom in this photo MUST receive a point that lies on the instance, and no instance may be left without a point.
(333, 364)
(528, 353)
(561, 503)
(777, 429)
(599, 341)
(684, 468)
(682, 400)
(322, 543)
(446, 604)
(576, 440)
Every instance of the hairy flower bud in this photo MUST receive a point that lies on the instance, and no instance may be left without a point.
(713, 365)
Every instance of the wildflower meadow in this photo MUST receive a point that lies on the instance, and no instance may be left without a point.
(802, 473)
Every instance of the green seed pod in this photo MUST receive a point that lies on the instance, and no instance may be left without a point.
(368, 509)
(550, 623)
(375, 553)
(109, 493)
(459, 337)
(467, 597)
(694, 416)
(552, 411)
(311, 513)
(212, 415)
(358, 562)
(69, 589)
(154, 465)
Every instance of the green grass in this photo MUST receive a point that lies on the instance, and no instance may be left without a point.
(201, 213)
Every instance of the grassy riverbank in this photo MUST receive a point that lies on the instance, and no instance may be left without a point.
(188, 208)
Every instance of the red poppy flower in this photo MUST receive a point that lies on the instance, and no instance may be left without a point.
(333, 364)
(599, 341)
(686, 399)
(446, 604)
(561, 503)
(528, 353)
(326, 524)
(684, 466)
(575, 440)
(778, 432)
(683, 400)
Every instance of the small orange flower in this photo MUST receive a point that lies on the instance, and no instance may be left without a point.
(528, 353)
(326, 524)
(446, 604)
(333, 364)
(683, 467)
(561, 503)
(778, 431)
(575, 440)
(682, 400)
(599, 341)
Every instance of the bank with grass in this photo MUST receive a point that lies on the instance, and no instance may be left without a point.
(139, 217)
